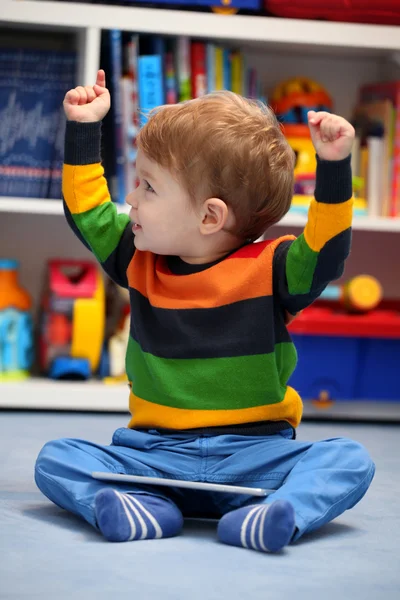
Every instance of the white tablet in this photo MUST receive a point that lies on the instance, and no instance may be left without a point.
(194, 485)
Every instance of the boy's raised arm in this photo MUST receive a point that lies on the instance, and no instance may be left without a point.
(305, 266)
(87, 204)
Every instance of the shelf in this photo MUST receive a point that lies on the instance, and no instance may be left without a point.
(46, 394)
(38, 206)
(385, 224)
(34, 206)
(269, 31)
(94, 396)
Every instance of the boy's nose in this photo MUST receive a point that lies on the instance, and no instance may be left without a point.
(130, 199)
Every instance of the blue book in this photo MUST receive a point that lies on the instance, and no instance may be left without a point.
(210, 67)
(150, 85)
(227, 69)
(32, 89)
(117, 114)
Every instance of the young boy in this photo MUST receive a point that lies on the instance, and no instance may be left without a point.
(209, 355)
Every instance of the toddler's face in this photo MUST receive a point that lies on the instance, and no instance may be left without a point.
(164, 220)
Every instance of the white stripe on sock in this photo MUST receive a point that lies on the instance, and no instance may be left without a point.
(254, 527)
(128, 515)
(152, 519)
(244, 526)
(130, 504)
(261, 530)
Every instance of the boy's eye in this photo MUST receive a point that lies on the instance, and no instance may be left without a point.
(147, 186)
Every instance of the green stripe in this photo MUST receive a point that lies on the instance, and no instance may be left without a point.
(210, 383)
(102, 228)
(300, 266)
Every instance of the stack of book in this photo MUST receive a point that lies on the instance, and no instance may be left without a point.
(376, 154)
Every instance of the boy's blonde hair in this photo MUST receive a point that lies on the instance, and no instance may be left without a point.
(225, 146)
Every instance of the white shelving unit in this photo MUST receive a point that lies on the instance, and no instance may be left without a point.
(341, 56)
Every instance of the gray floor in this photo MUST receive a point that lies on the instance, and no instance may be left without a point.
(47, 553)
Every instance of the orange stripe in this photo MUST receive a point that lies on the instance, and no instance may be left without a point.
(147, 414)
(229, 281)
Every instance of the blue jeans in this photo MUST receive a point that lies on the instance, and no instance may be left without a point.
(320, 479)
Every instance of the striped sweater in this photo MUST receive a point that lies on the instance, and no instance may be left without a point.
(208, 347)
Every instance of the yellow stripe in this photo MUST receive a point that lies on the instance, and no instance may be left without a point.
(147, 414)
(325, 221)
(84, 187)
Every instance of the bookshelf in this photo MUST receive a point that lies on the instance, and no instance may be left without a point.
(341, 56)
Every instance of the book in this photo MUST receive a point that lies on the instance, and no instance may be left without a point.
(33, 84)
(380, 114)
(236, 72)
(171, 84)
(227, 69)
(150, 85)
(117, 113)
(210, 51)
(113, 135)
(219, 68)
(182, 66)
(198, 69)
(130, 105)
(390, 90)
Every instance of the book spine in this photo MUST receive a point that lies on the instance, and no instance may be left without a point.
(198, 69)
(227, 76)
(237, 77)
(150, 85)
(395, 204)
(211, 67)
(117, 114)
(219, 68)
(183, 68)
(170, 79)
(132, 101)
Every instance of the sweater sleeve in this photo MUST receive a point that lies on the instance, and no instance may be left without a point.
(303, 267)
(87, 204)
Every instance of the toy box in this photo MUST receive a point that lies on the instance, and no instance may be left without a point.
(359, 11)
(347, 356)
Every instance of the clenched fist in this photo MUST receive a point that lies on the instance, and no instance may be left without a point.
(331, 135)
(88, 104)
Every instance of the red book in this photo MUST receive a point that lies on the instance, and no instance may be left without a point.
(373, 92)
(198, 67)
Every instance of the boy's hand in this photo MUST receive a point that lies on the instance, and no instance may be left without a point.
(88, 104)
(331, 135)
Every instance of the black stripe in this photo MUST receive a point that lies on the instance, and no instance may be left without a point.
(333, 181)
(239, 329)
(82, 143)
(331, 259)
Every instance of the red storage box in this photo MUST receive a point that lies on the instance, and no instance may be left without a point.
(384, 12)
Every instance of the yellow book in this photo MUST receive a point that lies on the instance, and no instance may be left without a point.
(237, 73)
(219, 68)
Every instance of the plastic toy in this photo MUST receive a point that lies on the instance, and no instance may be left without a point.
(228, 7)
(16, 332)
(292, 99)
(72, 320)
(374, 11)
(359, 294)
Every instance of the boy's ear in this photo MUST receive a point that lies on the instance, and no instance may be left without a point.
(214, 216)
